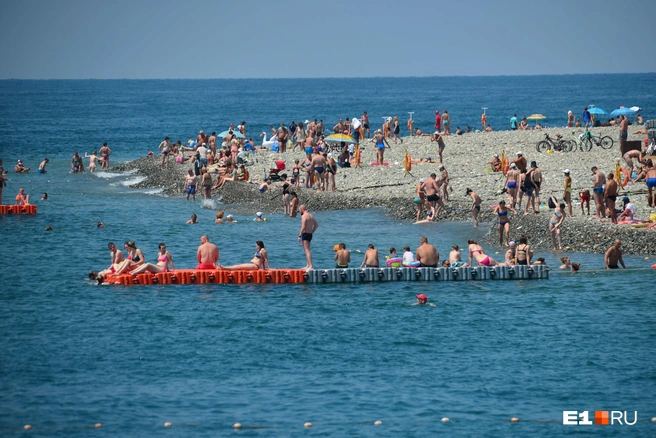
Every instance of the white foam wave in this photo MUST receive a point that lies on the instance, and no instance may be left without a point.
(132, 181)
(109, 175)
(210, 204)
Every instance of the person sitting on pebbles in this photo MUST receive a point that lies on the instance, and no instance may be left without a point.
(495, 163)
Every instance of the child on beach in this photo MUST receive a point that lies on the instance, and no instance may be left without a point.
(584, 195)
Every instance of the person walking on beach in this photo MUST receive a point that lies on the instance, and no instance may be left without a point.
(530, 187)
(567, 194)
(586, 117)
(504, 222)
(444, 178)
(309, 226)
(370, 259)
(381, 142)
(476, 205)
(610, 196)
(420, 197)
(165, 148)
(555, 225)
(105, 152)
(440, 143)
(207, 254)
(624, 130)
(513, 122)
(446, 121)
(598, 192)
(427, 254)
(614, 255)
(438, 121)
(431, 189)
(537, 183)
(365, 124)
(397, 130)
(512, 177)
(191, 183)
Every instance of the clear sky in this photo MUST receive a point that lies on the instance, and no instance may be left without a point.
(62, 39)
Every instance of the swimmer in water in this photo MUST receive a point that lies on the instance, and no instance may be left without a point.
(193, 220)
(260, 260)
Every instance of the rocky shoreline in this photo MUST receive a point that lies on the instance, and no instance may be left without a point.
(465, 158)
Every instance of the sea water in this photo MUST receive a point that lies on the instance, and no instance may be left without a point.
(340, 356)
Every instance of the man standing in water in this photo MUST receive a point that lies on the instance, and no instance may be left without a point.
(207, 255)
(308, 226)
(598, 192)
(614, 255)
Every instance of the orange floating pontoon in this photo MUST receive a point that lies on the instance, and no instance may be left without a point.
(217, 276)
(18, 209)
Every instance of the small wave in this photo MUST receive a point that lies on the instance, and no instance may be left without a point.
(210, 204)
(109, 175)
(132, 181)
(152, 191)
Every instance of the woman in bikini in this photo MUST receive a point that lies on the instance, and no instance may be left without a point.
(331, 170)
(134, 260)
(476, 205)
(164, 259)
(260, 260)
(476, 253)
(286, 197)
(504, 223)
(523, 252)
(555, 225)
(296, 174)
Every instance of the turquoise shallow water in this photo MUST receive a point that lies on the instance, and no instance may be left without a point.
(341, 356)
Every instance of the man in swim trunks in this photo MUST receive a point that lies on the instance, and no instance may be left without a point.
(610, 196)
(370, 259)
(342, 256)
(165, 149)
(440, 143)
(42, 166)
(651, 184)
(427, 255)
(191, 184)
(520, 162)
(319, 167)
(105, 152)
(308, 226)
(207, 254)
(614, 255)
(624, 130)
(628, 158)
(512, 178)
(431, 189)
(598, 192)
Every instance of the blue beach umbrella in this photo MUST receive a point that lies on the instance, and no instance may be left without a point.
(621, 111)
(237, 134)
(597, 111)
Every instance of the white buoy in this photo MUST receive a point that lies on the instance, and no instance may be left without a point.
(377, 423)
(445, 420)
(514, 420)
(308, 424)
(167, 424)
(653, 420)
(27, 427)
(237, 425)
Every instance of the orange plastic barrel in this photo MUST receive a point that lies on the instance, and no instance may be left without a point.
(145, 278)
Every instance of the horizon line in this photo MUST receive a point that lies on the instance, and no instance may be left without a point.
(315, 78)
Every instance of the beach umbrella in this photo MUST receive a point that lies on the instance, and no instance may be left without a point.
(597, 111)
(536, 117)
(237, 134)
(621, 111)
(338, 138)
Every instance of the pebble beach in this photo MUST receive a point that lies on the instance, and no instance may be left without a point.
(466, 159)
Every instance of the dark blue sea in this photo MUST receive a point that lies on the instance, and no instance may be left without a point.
(276, 356)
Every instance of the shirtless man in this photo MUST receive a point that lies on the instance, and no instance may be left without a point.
(598, 192)
(651, 184)
(536, 175)
(370, 259)
(610, 196)
(365, 124)
(520, 161)
(512, 177)
(207, 254)
(427, 255)
(455, 259)
(42, 166)
(19, 168)
(191, 184)
(628, 158)
(308, 227)
(342, 257)
(476, 205)
(165, 148)
(431, 189)
(614, 255)
(105, 152)
(624, 129)
(440, 143)
(319, 167)
(339, 127)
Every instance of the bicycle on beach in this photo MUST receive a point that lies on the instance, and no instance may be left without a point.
(604, 142)
(548, 144)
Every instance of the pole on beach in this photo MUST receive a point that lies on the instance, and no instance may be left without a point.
(484, 117)
(410, 123)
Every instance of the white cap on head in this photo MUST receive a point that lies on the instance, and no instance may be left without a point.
(422, 180)
(520, 153)
(496, 155)
(229, 215)
(307, 121)
(566, 171)
(330, 154)
(441, 166)
(511, 243)
(513, 165)
(259, 213)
